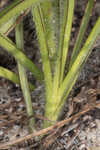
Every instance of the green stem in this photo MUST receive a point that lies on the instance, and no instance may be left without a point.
(23, 77)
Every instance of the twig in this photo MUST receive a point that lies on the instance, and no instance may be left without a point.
(46, 130)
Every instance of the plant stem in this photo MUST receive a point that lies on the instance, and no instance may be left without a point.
(23, 77)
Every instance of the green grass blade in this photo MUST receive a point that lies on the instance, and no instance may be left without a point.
(63, 21)
(9, 7)
(63, 47)
(84, 53)
(67, 35)
(58, 67)
(9, 46)
(9, 75)
(56, 23)
(7, 25)
(5, 73)
(63, 8)
(23, 77)
(62, 100)
(77, 66)
(40, 28)
(11, 21)
(47, 8)
(82, 30)
(19, 7)
(11, 24)
(51, 107)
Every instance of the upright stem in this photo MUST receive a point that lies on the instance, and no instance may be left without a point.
(40, 27)
(23, 77)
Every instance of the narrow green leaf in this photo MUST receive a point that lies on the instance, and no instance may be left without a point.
(12, 5)
(64, 98)
(56, 24)
(9, 75)
(76, 68)
(23, 77)
(9, 46)
(12, 20)
(5, 73)
(7, 25)
(40, 28)
(67, 35)
(58, 68)
(18, 7)
(80, 60)
(63, 8)
(63, 21)
(82, 30)
(47, 8)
